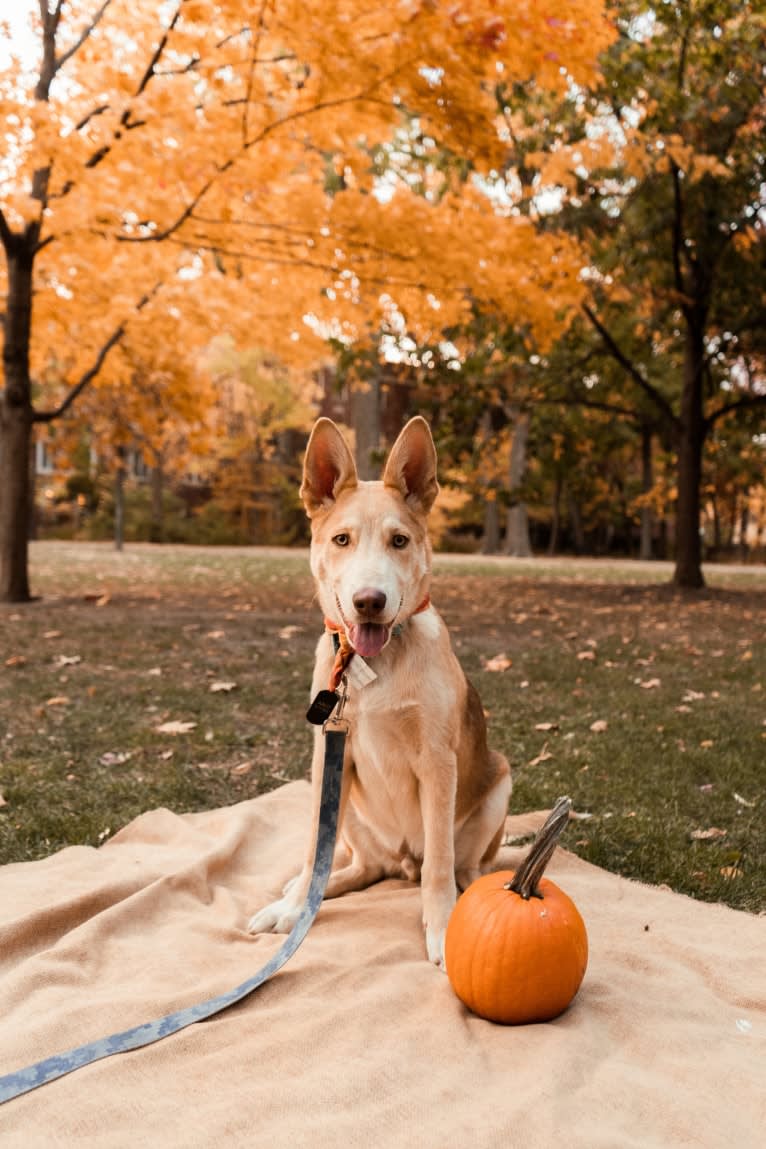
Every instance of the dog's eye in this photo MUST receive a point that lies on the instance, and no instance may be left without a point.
(341, 540)
(399, 541)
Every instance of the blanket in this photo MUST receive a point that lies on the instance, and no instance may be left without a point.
(359, 1041)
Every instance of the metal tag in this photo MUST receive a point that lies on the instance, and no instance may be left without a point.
(322, 707)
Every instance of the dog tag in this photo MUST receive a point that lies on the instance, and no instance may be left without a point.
(322, 707)
(360, 673)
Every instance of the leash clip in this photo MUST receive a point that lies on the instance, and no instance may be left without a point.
(336, 719)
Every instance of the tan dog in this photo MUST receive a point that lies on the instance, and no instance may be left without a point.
(422, 794)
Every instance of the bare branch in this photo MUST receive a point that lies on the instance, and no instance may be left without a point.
(333, 268)
(150, 68)
(83, 35)
(93, 370)
(83, 381)
(657, 398)
(290, 117)
(744, 403)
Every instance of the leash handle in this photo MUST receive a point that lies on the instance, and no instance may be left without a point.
(32, 1076)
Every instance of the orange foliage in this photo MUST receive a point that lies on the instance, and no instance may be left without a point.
(171, 162)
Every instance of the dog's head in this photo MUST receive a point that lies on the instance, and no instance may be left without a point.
(370, 553)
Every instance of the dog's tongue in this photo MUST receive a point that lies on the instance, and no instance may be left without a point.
(368, 639)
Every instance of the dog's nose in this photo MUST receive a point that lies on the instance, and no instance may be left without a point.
(369, 601)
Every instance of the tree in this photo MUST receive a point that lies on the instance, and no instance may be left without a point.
(166, 163)
(673, 202)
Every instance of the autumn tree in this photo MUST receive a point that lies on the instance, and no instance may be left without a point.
(665, 173)
(161, 154)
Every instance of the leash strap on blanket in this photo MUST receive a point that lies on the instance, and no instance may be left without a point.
(24, 1080)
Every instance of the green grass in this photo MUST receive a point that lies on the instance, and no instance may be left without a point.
(119, 645)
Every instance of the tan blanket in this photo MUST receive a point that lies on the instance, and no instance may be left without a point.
(359, 1041)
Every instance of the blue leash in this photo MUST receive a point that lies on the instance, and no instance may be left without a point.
(24, 1080)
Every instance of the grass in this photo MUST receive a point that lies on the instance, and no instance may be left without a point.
(647, 706)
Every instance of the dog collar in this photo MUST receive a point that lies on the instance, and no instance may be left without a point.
(344, 651)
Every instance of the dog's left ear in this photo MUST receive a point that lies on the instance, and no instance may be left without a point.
(411, 466)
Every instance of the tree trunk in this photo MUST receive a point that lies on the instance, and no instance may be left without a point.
(16, 426)
(517, 521)
(365, 413)
(744, 525)
(553, 542)
(575, 522)
(157, 528)
(647, 483)
(119, 501)
(716, 523)
(688, 568)
(15, 500)
(490, 540)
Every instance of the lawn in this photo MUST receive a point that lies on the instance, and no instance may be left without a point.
(179, 677)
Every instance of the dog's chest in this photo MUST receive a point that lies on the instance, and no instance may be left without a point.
(386, 747)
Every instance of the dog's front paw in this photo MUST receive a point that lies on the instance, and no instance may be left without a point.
(277, 918)
(435, 946)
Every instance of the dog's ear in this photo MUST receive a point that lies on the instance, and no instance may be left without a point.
(328, 467)
(411, 466)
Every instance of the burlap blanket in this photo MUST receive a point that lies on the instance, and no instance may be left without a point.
(359, 1041)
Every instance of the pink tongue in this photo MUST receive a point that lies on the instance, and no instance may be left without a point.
(368, 639)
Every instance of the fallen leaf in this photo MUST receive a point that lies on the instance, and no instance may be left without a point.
(242, 768)
(746, 656)
(499, 663)
(580, 815)
(712, 834)
(67, 659)
(59, 700)
(599, 726)
(586, 655)
(706, 743)
(743, 801)
(546, 726)
(52, 634)
(175, 727)
(215, 634)
(218, 687)
(166, 755)
(155, 672)
(289, 631)
(730, 872)
(694, 696)
(649, 684)
(16, 660)
(543, 756)
(115, 757)
(103, 600)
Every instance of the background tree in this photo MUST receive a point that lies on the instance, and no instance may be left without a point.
(155, 154)
(676, 224)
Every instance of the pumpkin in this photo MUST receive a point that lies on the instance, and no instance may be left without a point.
(516, 947)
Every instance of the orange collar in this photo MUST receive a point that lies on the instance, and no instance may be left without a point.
(344, 651)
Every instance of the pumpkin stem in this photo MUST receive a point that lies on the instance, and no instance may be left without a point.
(525, 880)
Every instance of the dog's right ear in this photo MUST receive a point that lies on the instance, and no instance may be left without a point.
(328, 467)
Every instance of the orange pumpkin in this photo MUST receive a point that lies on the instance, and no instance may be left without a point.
(516, 946)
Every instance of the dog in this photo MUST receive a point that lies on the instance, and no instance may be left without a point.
(422, 795)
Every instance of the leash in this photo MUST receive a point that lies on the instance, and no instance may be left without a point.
(25, 1080)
